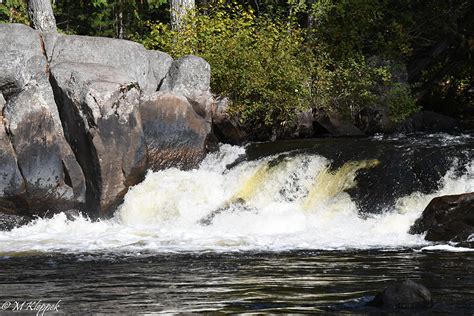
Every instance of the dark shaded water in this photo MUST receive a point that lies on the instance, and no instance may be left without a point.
(303, 281)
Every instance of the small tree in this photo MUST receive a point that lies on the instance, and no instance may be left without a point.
(41, 15)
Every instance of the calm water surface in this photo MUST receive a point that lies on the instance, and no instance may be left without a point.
(303, 281)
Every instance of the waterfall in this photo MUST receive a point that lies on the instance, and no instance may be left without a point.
(277, 202)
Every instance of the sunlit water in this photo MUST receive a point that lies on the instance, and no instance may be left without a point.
(279, 233)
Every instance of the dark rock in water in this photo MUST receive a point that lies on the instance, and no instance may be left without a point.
(175, 135)
(207, 220)
(430, 122)
(8, 222)
(332, 124)
(447, 218)
(47, 176)
(406, 295)
(466, 244)
(373, 120)
(227, 128)
(101, 119)
(71, 215)
(304, 124)
(406, 164)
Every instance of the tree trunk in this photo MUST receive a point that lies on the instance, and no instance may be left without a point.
(119, 20)
(41, 15)
(179, 8)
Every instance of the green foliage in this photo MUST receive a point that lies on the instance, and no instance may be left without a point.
(110, 18)
(258, 61)
(346, 87)
(401, 102)
(274, 58)
(368, 27)
(353, 84)
(13, 11)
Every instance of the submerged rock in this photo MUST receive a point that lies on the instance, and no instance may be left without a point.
(447, 218)
(406, 295)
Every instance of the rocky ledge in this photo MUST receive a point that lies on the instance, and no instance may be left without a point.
(82, 119)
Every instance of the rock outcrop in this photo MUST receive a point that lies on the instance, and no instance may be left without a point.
(32, 133)
(447, 218)
(71, 132)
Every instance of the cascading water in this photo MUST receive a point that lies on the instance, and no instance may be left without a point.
(274, 202)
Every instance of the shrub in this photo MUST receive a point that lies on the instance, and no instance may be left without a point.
(352, 84)
(259, 62)
(13, 11)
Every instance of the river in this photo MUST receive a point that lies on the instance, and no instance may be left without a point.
(295, 226)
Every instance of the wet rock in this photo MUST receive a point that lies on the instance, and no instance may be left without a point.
(304, 124)
(372, 120)
(100, 115)
(11, 181)
(334, 125)
(8, 222)
(227, 128)
(176, 136)
(130, 57)
(31, 131)
(447, 218)
(427, 121)
(406, 295)
(190, 76)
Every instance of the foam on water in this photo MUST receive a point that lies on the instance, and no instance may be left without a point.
(296, 203)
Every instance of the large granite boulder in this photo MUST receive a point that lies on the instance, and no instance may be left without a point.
(190, 76)
(130, 57)
(447, 218)
(176, 136)
(31, 131)
(99, 108)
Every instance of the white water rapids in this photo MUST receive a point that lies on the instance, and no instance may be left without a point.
(295, 204)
